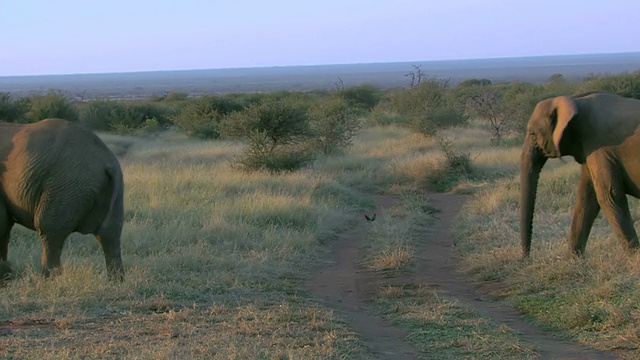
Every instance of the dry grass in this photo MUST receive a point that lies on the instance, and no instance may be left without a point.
(216, 257)
(593, 299)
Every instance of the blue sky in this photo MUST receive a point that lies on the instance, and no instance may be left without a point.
(80, 36)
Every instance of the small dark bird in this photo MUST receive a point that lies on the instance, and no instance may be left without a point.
(370, 218)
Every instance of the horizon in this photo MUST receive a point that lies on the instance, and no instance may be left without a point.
(161, 35)
(581, 55)
(537, 69)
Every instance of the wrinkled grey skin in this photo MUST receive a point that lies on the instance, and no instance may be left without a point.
(600, 131)
(57, 178)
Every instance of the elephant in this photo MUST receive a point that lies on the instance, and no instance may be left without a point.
(601, 131)
(57, 178)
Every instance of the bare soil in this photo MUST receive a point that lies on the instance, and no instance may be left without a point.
(346, 287)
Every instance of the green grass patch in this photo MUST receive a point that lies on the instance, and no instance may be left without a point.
(442, 328)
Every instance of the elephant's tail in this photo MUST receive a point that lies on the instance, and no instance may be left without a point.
(115, 214)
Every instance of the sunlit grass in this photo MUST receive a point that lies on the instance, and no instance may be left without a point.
(392, 238)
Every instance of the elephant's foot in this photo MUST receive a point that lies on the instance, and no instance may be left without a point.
(5, 272)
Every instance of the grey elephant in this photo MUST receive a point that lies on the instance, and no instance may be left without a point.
(601, 132)
(58, 178)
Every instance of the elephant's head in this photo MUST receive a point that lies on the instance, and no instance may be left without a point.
(545, 131)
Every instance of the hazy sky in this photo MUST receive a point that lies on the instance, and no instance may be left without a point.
(83, 36)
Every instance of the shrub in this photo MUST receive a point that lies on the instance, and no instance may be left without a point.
(364, 97)
(123, 116)
(458, 163)
(99, 114)
(175, 96)
(475, 82)
(626, 84)
(277, 132)
(430, 107)
(282, 120)
(261, 154)
(200, 117)
(383, 114)
(518, 100)
(489, 107)
(53, 104)
(13, 110)
(457, 166)
(333, 123)
(506, 107)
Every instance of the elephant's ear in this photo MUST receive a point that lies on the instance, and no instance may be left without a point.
(564, 109)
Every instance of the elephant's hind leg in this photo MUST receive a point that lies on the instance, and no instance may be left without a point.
(52, 244)
(108, 235)
(5, 232)
(612, 198)
(110, 242)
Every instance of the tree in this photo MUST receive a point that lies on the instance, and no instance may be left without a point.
(489, 106)
(416, 77)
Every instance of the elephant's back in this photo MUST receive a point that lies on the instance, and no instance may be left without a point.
(62, 143)
(54, 157)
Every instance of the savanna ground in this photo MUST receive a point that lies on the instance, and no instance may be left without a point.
(219, 260)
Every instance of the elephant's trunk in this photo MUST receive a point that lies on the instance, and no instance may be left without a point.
(531, 162)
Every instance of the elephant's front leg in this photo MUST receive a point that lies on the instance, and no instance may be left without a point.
(584, 214)
(612, 198)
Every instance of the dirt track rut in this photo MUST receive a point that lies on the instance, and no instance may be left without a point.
(345, 287)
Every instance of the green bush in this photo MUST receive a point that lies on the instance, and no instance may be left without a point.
(383, 114)
(333, 123)
(457, 166)
(124, 116)
(53, 104)
(200, 117)
(175, 96)
(261, 154)
(626, 84)
(364, 97)
(277, 132)
(521, 98)
(13, 110)
(475, 82)
(282, 120)
(430, 106)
